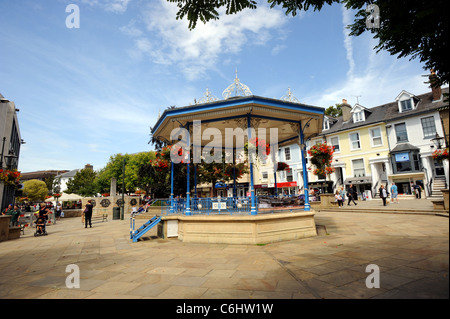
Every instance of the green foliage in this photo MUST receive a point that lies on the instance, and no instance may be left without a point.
(35, 190)
(83, 183)
(334, 111)
(208, 10)
(137, 175)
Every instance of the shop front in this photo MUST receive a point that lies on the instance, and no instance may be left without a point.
(283, 189)
(362, 186)
(405, 182)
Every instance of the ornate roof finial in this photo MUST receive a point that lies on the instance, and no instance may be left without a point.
(289, 97)
(208, 98)
(236, 89)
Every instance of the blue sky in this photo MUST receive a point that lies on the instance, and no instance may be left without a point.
(88, 93)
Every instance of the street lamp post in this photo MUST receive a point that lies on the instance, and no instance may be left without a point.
(122, 214)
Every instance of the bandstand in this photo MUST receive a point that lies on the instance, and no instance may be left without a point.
(235, 219)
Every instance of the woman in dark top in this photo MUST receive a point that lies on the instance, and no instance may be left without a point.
(351, 194)
(88, 214)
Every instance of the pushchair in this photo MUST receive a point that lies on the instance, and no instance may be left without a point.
(40, 227)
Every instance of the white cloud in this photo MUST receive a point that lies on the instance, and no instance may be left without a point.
(372, 78)
(169, 41)
(348, 43)
(131, 29)
(116, 6)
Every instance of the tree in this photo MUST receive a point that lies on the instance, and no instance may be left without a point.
(35, 190)
(214, 172)
(334, 111)
(407, 28)
(83, 183)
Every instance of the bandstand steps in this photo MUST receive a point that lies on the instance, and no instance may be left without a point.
(145, 228)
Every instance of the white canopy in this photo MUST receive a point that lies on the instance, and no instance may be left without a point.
(65, 197)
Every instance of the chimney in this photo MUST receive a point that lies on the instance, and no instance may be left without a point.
(435, 87)
(89, 166)
(346, 109)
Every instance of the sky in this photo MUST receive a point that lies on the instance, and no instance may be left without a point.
(87, 93)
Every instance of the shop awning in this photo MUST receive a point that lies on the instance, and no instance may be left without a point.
(358, 180)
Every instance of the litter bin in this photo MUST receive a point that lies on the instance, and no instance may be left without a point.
(116, 213)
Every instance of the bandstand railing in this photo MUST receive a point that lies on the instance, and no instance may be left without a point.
(207, 205)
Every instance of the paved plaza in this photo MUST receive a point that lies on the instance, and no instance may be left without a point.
(411, 251)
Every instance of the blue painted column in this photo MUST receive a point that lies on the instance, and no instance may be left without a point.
(305, 170)
(188, 186)
(253, 210)
(234, 174)
(172, 210)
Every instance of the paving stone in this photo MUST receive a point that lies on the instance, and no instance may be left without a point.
(411, 251)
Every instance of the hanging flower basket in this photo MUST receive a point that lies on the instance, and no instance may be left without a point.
(281, 166)
(322, 157)
(440, 155)
(259, 147)
(10, 177)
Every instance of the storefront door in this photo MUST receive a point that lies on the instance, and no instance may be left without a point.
(439, 168)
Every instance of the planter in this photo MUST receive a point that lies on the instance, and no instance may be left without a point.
(4, 227)
(327, 200)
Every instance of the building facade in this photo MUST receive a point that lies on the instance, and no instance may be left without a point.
(10, 143)
(388, 143)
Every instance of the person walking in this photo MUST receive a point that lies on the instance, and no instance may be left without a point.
(88, 214)
(418, 191)
(339, 199)
(58, 210)
(383, 194)
(394, 192)
(351, 195)
(342, 193)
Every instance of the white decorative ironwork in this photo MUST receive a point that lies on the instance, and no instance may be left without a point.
(289, 97)
(208, 98)
(236, 89)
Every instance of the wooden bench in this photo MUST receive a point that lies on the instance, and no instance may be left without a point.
(102, 218)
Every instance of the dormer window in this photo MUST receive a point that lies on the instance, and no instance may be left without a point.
(406, 105)
(326, 123)
(405, 102)
(359, 113)
(358, 116)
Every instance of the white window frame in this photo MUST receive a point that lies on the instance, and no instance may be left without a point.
(358, 116)
(396, 135)
(411, 105)
(289, 151)
(405, 96)
(372, 137)
(351, 141)
(326, 124)
(338, 144)
(262, 175)
(353, 167)
(434, 124)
